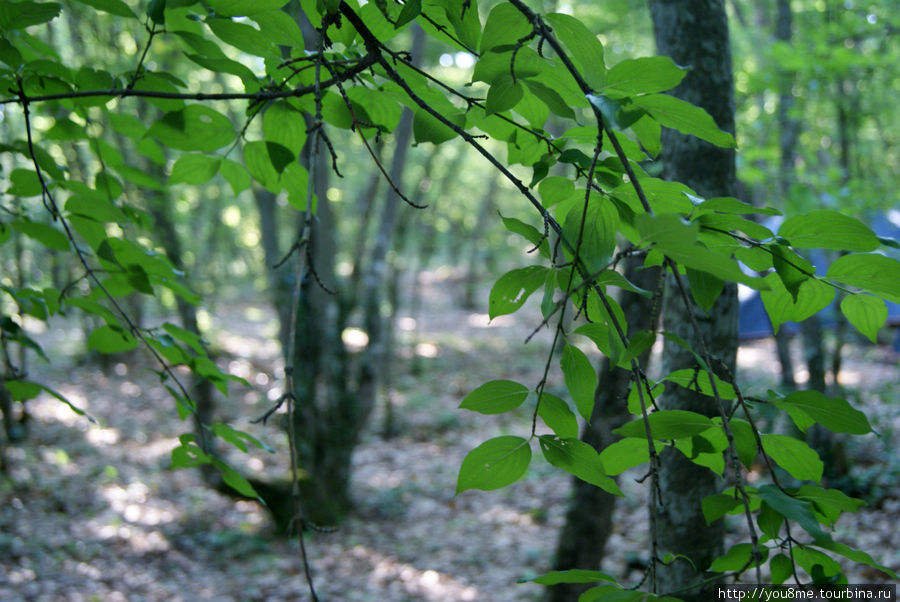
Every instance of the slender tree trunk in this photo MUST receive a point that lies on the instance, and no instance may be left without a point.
(582, 540)
(281, 278)
(377, 277)
(695, 34)
(788, 129)
(476, 250)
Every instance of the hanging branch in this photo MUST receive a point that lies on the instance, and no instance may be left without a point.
(90, 272)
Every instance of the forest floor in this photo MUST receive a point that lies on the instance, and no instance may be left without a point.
(93, 512)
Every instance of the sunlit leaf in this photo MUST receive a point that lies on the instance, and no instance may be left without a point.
(495, 397)
(494, 464)
(579, 459)
(581, 379)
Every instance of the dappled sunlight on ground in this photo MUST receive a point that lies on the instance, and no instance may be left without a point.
(96, 510)
(427, 350)
(425, 584)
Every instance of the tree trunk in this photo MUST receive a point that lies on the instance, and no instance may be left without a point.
(476, 250)
(281, 278)
(588, 526)
(694, 33)
(788, 129)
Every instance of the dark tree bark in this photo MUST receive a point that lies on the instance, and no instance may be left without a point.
(589, 518)
(476, 250)
(695, 34)
(334, 395)
(788, 129)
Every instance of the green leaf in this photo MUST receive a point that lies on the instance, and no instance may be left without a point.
(614, 278)
(137, 278)
(494, 464)
(239, 8)
(793, 269)
(815, 563)
(194, 169)
(648, 132)
(529, 232)
(237, 438)
(737, 558)
(834, 414)
(638, 343)
(782, 568)
(236, 176)
(796, 510)
(578, 459)
(513, 288)
(581, 380)
(830, 503)
(583, 46)
(868, 314)
(156, 10)
(279, 27)
(667, 424)
(624, 454)
(551, 98)
(598, 236)
(854, 555)
(188, 455)
(226, 65)
(234, 479)
(826, 229)
(113, 7)
(872, 272)
(107, 339)
(813, 295)
(571, 576)
(410, 11)
(503, 94)
(428, 129)
(242, 36)
(25, 183)
(555, 189)
(686, 118)
(698, 381)
(505, 25)
(645, 75)
(731, 205)
(156, 82)
(744, 441)
(556, 414)
(10, 55)
(615, 593)
(295, 180)
(678, 241)
(48, 236)
(266, 161)
(718, 505)
(491, 65)
(705, 288)
(795, 456)
(19, 15)
(495, 397)
(191, 339)
(18, 388)
(769, 520)
(194, 128)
